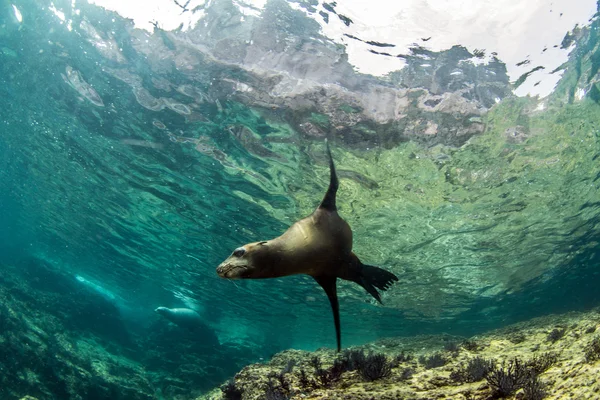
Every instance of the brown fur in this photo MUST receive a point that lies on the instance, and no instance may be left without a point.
(319, 245)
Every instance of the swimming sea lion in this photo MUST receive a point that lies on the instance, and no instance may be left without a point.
(319, 245)
(184, 317)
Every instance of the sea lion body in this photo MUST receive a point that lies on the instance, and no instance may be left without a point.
(184, 317)
(319, 245)
(315, 245)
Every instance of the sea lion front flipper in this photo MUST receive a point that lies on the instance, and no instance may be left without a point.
(328, 284)
(328, 202)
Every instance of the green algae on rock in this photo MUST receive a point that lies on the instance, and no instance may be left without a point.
(548, 370)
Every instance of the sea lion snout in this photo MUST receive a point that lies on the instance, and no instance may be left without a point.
(246, 262)
(161, 310)
(230, 271)
(234, 266)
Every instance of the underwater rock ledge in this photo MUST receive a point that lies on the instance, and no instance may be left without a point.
(551, 357)
(59, 340)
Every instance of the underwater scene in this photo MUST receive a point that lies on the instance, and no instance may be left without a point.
(299, 199)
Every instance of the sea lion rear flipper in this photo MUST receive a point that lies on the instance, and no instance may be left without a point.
(371, 277)
(328, 202)
(328, 284)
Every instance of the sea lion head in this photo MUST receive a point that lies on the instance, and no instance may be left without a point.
(162, 311)
(250, 261)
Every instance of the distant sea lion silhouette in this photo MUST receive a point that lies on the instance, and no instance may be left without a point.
(184, 317)
(319, 245)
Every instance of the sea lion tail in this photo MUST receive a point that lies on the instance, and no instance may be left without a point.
(371, 277)
(328, 202)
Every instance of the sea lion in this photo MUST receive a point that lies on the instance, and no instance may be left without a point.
(319, 245)
(184, 317)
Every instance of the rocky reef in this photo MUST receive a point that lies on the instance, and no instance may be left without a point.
(60, 341)
(552, 357)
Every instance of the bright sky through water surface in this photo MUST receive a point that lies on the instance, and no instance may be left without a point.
(515, 30)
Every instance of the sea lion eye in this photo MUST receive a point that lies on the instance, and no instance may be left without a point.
(240, 251)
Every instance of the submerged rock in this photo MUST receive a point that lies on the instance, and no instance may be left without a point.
(59, 339)
(487, 366)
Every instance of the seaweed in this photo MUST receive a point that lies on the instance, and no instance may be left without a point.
(517, 337)
(433, 361)
(406, 374)
(470, 345)
(289, 367)
(541, 363)
(327, 377)
(231, 391)
(278, 387)
(452, 347)
(475, 370)
(592, 350)
(556, 334)
(508, 378)
(337, 369)
(590, 329)
(274, 392)
(400, 358)
(374, 367)
(534, 389)
(305, 382)
(518, 374)
(315, 361)
(353, 359)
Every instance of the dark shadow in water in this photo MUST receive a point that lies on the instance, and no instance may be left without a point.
(78, 307)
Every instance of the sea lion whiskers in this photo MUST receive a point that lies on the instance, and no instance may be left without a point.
(187, 255)
(319, 245)
(234, 283)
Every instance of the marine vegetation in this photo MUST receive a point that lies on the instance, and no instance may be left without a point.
(556, 334)
(470, 345)
(354, 358)
(508, 378)
(534, 389)
(163, 148)
(400, 358)
(475, 370)
(277, 388)
(592, 350)
(374, 367)
(370, 367)
(324, 377)
(452, 346)
(532, 369)
(433, 361)
(541, 363)
(327, 377)
(230, 391)
(518, 374)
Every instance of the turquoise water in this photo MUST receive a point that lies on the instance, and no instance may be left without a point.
(133, 162)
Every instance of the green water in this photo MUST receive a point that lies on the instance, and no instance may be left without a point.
(494, 219)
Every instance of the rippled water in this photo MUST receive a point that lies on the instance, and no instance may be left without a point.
(138, 160)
